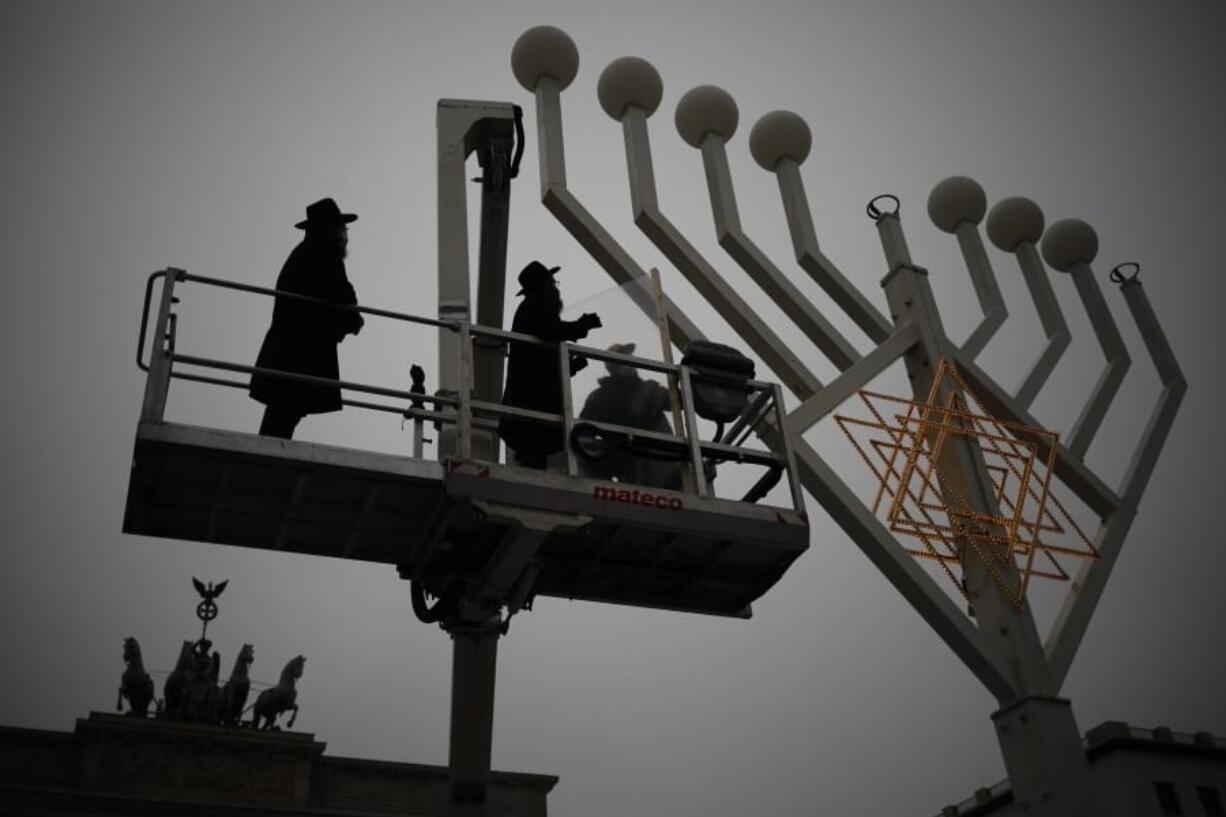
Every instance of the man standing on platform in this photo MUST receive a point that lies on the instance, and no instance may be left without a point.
(534, 380)
(304, 335)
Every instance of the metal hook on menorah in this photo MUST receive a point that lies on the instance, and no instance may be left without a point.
(1125, 273)
(956, 416)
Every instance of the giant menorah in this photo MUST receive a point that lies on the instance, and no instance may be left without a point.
(965, 472)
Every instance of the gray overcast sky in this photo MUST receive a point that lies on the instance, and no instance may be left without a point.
(139, 135)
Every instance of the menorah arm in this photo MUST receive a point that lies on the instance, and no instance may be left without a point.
(1074, 617)
(698, 271)
(1068, 466)
(1051, 317)
(813, 261)
(987, 291)
(567, 209)
(902, 571)
(1118, 361)
(1174, 386)
(751, 259)
(1075, 613)
(849, 382)
(605, 250)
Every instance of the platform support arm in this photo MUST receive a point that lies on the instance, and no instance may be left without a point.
(701, 488)
(157, 381)
(465, 126)
(497, 170)
(568, 412)
(464, 413)
(473, 669)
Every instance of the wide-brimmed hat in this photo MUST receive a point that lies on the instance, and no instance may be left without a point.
(535, 276)
(617, 367)
(325, 212)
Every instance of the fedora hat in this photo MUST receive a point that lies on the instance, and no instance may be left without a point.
(534, 276)
(324, 212)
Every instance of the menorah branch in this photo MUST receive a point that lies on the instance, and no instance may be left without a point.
(901, 570)
(1014, 225)
(572, 215)
(849, 382)
(751, 259)
(1077, 609)
(813, 261)
(1068, 467)
(697, 270)
(1118, 361)
(1074, 617)
(1174, 386)
(956, 205)
(987, 291)
(1051, 317)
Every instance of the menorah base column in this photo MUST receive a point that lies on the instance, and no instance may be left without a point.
(1047, 767)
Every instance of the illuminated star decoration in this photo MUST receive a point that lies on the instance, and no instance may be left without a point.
(907, 439)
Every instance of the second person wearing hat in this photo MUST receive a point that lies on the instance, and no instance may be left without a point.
(533, 379)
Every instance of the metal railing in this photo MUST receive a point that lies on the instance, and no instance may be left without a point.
(764, 412)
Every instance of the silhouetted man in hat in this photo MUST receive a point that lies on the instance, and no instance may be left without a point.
(533, 379)
(303, 336)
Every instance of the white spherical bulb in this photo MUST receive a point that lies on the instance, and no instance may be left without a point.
(1069, 242)
(779, 135)
(706, 109)
(544, 51)
(955, 200)
(629, 81)
(1015, 220)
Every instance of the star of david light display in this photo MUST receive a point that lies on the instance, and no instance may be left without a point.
(909, 447)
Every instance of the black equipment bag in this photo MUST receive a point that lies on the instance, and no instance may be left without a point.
(720, 374)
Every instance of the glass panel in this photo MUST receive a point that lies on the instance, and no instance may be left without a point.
(625, 395)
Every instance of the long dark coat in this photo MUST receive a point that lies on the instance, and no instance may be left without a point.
(533, 379)
(303, 336)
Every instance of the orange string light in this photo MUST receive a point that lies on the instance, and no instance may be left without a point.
(923, 503)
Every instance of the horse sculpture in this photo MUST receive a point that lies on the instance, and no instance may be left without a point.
(275, 700)
(176, 683)
(136, 685)
(234, 693)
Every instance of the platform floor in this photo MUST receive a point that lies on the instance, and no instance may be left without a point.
(612, 543)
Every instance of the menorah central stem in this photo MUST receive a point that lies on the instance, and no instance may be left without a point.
(1037, 733)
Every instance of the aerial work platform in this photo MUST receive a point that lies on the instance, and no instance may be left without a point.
(625, 513)
(507, 533)
(610, 542)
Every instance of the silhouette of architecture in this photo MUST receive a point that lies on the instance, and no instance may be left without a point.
(195, 751)
(1136, 773)
(137, 767)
